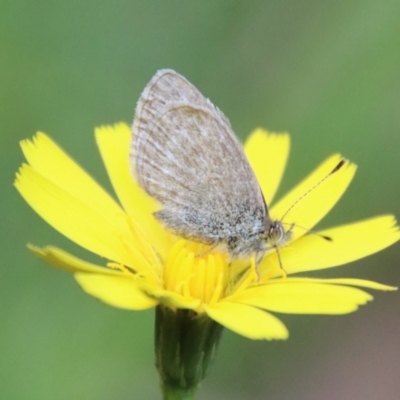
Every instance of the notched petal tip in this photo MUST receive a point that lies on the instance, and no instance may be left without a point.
(262, 134)
(119, 132)
(19, 175)
(26, 144)
(268, 153)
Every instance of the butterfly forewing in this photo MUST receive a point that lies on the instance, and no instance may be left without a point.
(185, 155)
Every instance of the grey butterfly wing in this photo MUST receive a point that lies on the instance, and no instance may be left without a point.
(167, 87)
(186, 156)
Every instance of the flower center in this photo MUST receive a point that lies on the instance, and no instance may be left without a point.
(193, 271)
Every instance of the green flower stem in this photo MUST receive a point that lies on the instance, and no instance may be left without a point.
(185, 345)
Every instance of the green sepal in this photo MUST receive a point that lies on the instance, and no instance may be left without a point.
(185, 344)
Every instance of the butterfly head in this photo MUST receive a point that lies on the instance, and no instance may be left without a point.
(276, 236)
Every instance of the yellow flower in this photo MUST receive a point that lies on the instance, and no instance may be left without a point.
(148, 266)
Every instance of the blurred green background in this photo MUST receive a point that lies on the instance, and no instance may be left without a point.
(327, 72)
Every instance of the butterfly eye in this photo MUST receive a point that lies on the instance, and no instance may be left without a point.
(276, 233)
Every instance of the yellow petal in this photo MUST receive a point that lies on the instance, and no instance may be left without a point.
(312, 206)
(61, 259)
(77, 220)
(304, 298)
(50, 161)
(171, 299)
(114, 143)
(340, 281)
(118, 291)
(247, 321)
(268, 153)
(349, 243)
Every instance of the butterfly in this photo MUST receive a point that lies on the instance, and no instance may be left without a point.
(185, 155)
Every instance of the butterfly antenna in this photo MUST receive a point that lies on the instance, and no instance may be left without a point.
(292, 225)
(336, 169)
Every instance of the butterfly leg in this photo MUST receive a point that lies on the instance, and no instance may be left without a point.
(284, 273)
(254, 268)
